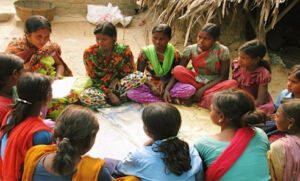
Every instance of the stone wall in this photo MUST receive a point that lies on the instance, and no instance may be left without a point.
(64, 7)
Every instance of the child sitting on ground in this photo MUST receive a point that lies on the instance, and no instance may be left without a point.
(253, 74)
(165, 157)
(74, 134)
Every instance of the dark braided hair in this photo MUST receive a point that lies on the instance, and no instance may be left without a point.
(163, 121)
(75, 132)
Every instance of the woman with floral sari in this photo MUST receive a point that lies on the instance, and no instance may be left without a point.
(110, 65)
(211, 62)
(37, 51)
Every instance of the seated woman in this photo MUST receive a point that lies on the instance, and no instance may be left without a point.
(165, 157)
(293, 86)
(253, 74)
(75, 134)
(110, 65)
(157, 62)
(23, 127)
(11, 68)
(211, 62)
(38, 52)
(239, 151)
(283, 157)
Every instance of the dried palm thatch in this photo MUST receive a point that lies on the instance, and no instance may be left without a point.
(205, 10)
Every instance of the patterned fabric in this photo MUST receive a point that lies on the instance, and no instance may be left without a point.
(37, 60)
(207, 64)
(149, 71)
(166, 64)
(284, 159)
(58, 103)
(102, 72)
(250, 82)
(95, 98)
(143, 93)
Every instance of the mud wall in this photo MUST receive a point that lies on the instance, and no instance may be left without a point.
(64, 7)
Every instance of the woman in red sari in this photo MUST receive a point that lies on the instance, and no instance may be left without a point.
(38, 52)
(211, 62)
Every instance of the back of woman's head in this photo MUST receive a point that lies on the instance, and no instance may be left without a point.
(295, 71)
(33, 90)
(291, 110)
(8, 65)
(212, 29)
(256, 50)
(238, 107)
(107, 29)
(35, 23)
(163, 122)
(74, 133)
(163, 28)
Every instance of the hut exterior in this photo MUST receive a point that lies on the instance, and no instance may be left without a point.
(240, 19)
(64, 7)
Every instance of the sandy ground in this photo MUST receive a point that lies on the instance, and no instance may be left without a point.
(121, 128)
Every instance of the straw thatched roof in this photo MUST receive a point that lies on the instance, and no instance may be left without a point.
(205, 10)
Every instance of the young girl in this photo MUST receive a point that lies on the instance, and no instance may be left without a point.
(284, 159)
(22, 127)
(38, 52)
(75, 134)
(11, 68)
(110, 65)
(293, 86)
(253, 74)
(158, 61)
(238, 152)
(211, 62)
(165, 156)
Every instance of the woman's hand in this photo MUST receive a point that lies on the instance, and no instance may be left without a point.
(198, 95)
(167, 97)
(114, 99)
(155, 90)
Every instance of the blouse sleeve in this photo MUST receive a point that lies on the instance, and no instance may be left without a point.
(224, 54)
(88, 57)
(186, 54)
(18, 47)
(42, 137)
(264, 77)
(128, 64)
(130, 165)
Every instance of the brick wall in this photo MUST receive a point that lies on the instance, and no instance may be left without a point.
(64, 7)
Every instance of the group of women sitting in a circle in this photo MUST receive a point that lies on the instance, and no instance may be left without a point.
(239, 152)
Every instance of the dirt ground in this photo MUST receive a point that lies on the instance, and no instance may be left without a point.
(74, 34)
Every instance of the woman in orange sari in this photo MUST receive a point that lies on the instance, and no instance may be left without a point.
(38, 52)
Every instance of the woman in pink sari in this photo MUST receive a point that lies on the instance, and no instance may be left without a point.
(284, 155)
(211, 62)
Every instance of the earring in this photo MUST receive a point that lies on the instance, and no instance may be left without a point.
(289, 126)
(220, 120)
